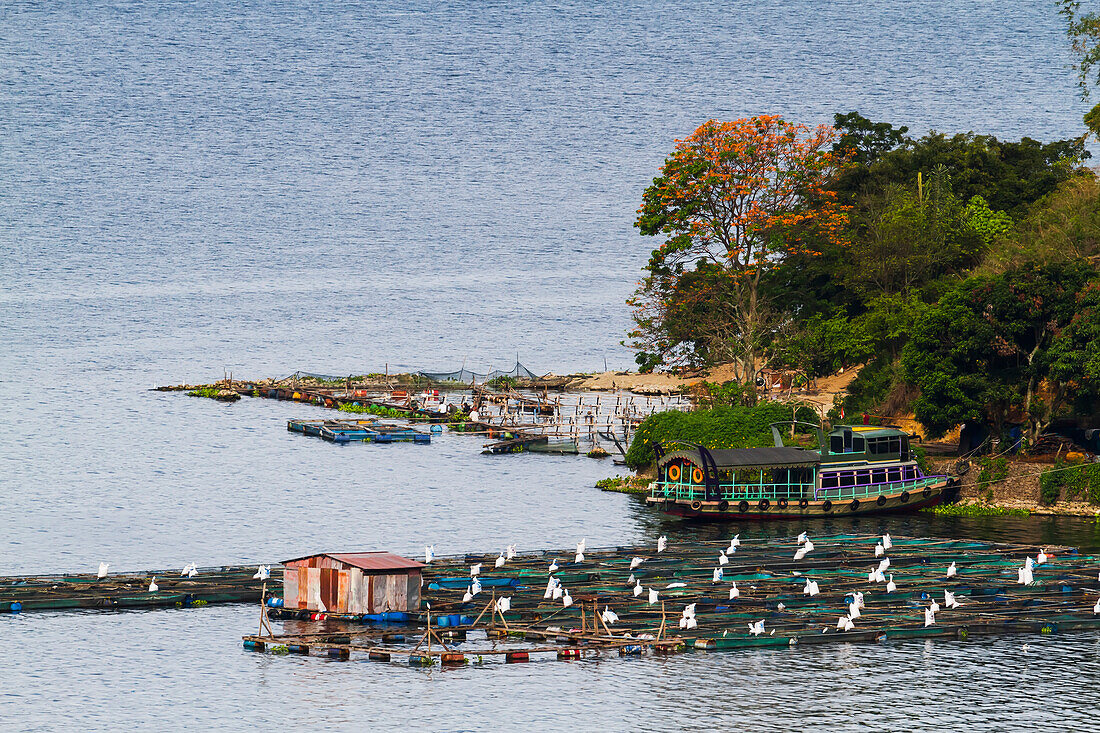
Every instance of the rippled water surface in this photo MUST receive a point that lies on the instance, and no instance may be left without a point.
(188, 188)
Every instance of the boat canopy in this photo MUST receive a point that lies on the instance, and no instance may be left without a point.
(746, 457)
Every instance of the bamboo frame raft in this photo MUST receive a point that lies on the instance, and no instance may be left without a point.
(770, 582)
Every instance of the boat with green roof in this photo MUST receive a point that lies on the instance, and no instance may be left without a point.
(858, 470)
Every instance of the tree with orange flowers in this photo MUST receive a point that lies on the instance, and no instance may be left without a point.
(732, 201)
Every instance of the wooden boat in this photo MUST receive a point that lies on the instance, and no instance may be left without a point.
(858, 470)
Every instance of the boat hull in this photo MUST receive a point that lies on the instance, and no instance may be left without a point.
(938, 493)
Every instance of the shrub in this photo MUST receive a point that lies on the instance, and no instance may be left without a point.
(722, 427)
(1070, 482)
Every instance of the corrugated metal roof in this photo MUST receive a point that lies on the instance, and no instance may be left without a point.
(744, 457)
(368, 560)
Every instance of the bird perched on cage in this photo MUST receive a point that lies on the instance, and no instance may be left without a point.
(662, 543)
(952, 570)
(891, 586)
(102, 572)
(635, 562)
(429, 553)
(153, 587)
(499, 561)
(262, 573)
(757, 628)
(811, 589)
(734, 592)
(879, 550)
(949, 600)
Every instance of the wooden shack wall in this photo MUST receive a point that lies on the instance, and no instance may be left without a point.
(347, 589)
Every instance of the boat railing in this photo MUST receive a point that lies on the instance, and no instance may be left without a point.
(772, 491)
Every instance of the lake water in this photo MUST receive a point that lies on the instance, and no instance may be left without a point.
(189, 188)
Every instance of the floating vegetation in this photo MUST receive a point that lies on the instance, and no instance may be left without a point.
(976, 510)
(215, 393)
(597, 452)
(373, 410)
(625, 484)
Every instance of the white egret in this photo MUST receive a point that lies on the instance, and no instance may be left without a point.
(579, 557)
(717, 575)
(511, 551)
(934, 607)
(756, 629)
(566, 601)
(263, 573)
(891, 586)
(475, 570)
(1041, 557)
(949, 600)
(153, 587)
(853, 610)
(662, 543)
(475, 587)
(499, 561)
(802, 538)
(879, 550)
(929, 617)
(554, 566)
(676, 585)
(609, 616)
(102, 572)
(429, 553)
(1096, 608)
(844, 623)
(952, 570)
(636, 562)
(504, 604)
(735, 542)
(652, 596)
(734, 592)
(467, 596)
(886, 542)
(638, 590)
(811, 589)
(883, 564)
(722, 559)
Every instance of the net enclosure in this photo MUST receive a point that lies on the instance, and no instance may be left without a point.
(467, 376)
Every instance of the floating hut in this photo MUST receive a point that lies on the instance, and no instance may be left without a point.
(353, 583)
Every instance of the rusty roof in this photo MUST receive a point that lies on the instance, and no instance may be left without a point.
(367, 560)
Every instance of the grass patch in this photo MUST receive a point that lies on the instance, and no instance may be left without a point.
(597, 452)
(975, 510)
(209, 392)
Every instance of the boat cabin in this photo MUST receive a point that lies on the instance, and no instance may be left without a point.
(859, 467)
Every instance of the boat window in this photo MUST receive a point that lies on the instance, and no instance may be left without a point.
(895, 473)
(857, 445)
(829, 481)
(847, 441)
(905, 448)
(895, 445)
(879, 475)
(910, 473)
(848, 478)
(863, 478)
(836, 444)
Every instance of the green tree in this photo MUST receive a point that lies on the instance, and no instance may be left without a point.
(985, 349)
(729, 196)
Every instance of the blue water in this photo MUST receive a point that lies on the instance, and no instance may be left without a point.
(191, 188)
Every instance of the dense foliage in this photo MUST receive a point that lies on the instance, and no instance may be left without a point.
(733, 426)
(1070, 483)
(956, 272)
